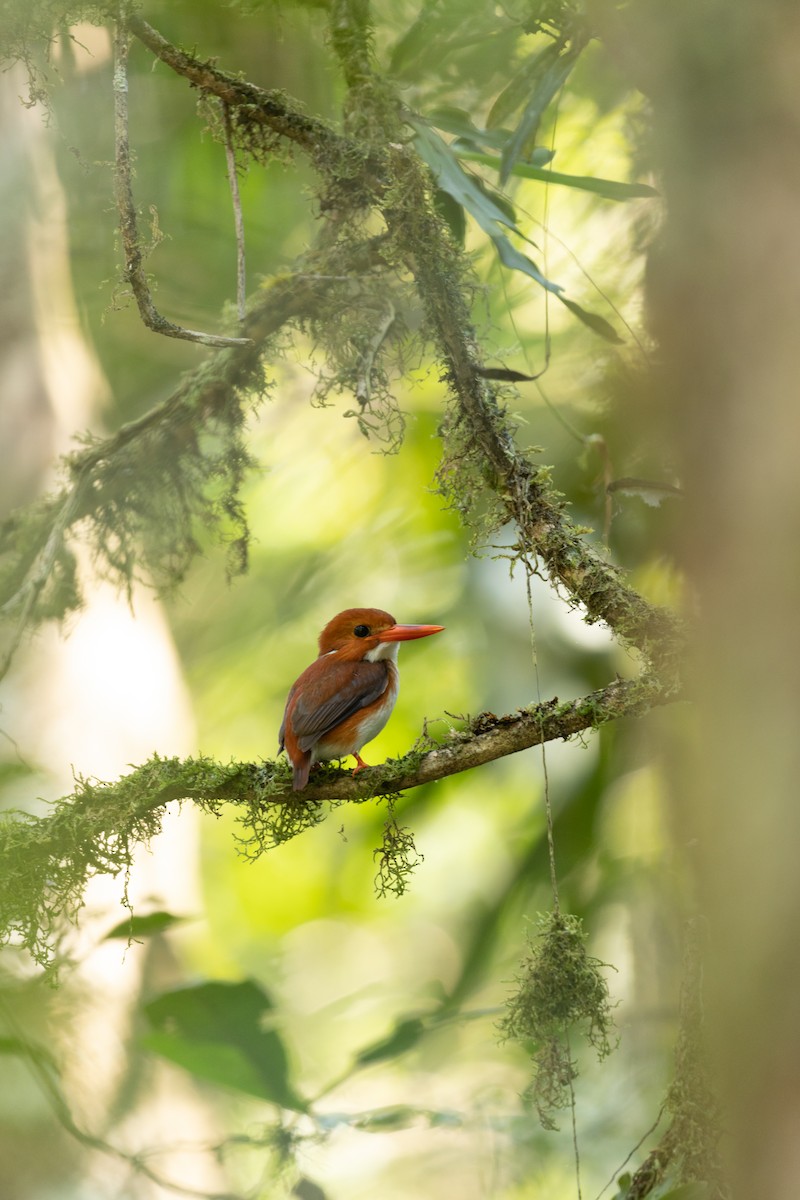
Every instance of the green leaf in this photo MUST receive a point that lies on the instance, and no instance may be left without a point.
(452, 178)
(517, 261)
(478, 202)
(553, 78)
(386, 1120)
(452, 213)
(609, 189)
(653, 492)
(393, 1117)
(490, 212)
(457, 121)
(519, 86)
(146, 926)
(218, 1032)
(403, 1037)
(593, 321)
(416, 39)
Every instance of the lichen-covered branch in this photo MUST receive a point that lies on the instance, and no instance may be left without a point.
(45, 862)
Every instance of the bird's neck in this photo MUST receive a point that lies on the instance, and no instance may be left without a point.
(384, 651)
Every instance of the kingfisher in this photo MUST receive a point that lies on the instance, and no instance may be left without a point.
(344, 699)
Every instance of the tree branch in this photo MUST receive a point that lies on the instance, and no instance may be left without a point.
(238, 219)
(271, 109)
(45, 862)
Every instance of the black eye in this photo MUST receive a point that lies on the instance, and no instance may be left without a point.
(361, 631)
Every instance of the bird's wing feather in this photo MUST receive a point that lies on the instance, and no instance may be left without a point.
(282, 730)
(349, 685)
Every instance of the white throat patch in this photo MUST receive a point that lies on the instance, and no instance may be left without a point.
(383, 650)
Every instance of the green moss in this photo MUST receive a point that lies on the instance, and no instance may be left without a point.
(46, 862)
(397, 856)
(561, 992)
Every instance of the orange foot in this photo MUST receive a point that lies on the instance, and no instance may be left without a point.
(361, 764)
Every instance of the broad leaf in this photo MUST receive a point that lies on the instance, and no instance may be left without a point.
(452, 178)
(517, 261)
(218, 1032)
(452, 213)
(520, 85)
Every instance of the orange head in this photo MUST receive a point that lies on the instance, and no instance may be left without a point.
(359, 633)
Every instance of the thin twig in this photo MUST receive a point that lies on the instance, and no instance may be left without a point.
(233, 181)
(367, 360)
(128, 223)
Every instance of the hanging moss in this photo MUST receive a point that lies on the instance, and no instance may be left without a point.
(47, 861)
(561, 993)
(397, 856)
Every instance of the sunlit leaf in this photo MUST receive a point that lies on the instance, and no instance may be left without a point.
(488, 212)
(218, 1032)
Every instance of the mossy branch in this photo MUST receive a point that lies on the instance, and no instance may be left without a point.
(272, 109)
(45, 862)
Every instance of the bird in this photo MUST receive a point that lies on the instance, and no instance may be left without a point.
(344, 699)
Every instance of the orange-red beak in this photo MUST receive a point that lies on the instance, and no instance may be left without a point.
(405, 633)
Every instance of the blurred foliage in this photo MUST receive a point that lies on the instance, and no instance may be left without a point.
(302, 1016)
